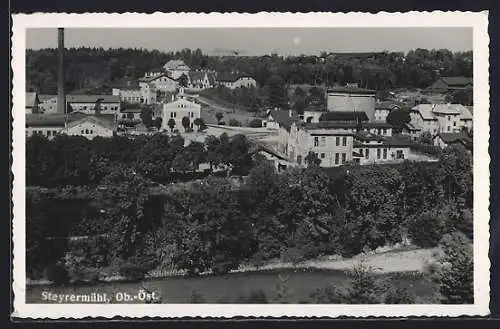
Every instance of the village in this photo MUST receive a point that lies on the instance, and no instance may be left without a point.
(214, 166)
(352, 127)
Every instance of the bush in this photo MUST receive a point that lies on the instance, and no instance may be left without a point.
(254, 297)
(255, 123)
(426, 149)
(292, 255)
(427, 228)
(234, 123)
(136, 268)
(57, 273)
(396, 295)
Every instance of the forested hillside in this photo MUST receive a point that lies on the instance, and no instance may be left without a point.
(90, 67)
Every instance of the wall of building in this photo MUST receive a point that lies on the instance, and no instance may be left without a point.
(49, 132)
(48, 105)
(376, 154)
(88, 108)
(448, 122)
(88, 130)
(177, 110)
(338, 101)
(381, 114)
(312, 116)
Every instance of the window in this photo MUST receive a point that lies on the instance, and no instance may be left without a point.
(385, 153)
(84, 108)
(91, 131)
(378, 153)
(454, 124)
(337, 141)
(54, 132)
(449, 128)
(49, 133)
(449, 118)
(299, 159)
(316, 141)
(343, 158)
(323, 141)
(336, 158)
(82, 132)
(344, 141)
(367, 153)
(322, 155)
(400, 154)
(361, 152)
(384, 131)
(175, 114)
(86, 131)
(192, 114)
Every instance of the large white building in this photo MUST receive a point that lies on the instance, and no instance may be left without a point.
(179, 109)
(91, 126)
(108, 104)
(352, 98)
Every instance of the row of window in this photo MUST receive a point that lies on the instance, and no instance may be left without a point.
(87, 132)
(114, 108)
(49, 133)
(337, 157)
(323, 141)
(174, 114)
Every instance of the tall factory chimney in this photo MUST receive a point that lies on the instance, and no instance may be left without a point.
(61, 96)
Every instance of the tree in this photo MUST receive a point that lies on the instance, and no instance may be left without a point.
(426, 138)
(171, 124)
(455, 275)
(312, 160)
(234, 123)
(183, 80)
(157, 122)
(185, 123)
(398, 118)
(147, 117)
(276, 92)
(219, 116)
(197, 122)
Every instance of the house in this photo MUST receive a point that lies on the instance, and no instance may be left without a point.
(448, 84)
(47, 104)
(279, 161)
(351, 98)
(153, 73)
(48, 125)
(446, 139)
(91, 126)
(32, 102)
(275, 118)
(233, 80)
(436, 118)
(106, 104)
(160, 83)
(175, 68)
(371, 148)
(130, 114)
(177, 110)
(382, 110)
(201, 79)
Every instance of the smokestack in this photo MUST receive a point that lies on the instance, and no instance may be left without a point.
(61, 96)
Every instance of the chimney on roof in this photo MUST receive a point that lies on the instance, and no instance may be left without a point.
(61, 96)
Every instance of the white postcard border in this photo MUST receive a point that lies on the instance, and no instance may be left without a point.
(479, 23)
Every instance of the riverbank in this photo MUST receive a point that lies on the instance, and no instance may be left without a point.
(395, 261)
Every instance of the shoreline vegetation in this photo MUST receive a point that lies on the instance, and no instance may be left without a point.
(396, 260)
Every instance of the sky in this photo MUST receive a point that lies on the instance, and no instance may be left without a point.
(260, 41)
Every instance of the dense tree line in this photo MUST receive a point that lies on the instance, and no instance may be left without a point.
(214, 225)
(75, 160)
(90, 67)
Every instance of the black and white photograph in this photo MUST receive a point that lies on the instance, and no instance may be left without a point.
(262, 165)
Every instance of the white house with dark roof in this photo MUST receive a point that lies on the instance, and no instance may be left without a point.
(162, 83)
(108, 104)
(47, 104)
(175, 68)
(446, 139)
(176, 110)
(235, 80)
(440, 118)
(201, 79)
(91, 126)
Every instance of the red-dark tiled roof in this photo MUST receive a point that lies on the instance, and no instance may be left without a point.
(343, 116)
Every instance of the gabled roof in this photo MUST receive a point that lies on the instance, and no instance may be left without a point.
(52, 119)
(231, 77)
(31, 99)
(44, 97)
(344, 116)
(425, 111)
(153, 78)
(454, 137)
(446, 108)
(465, 113)
(352, 90)
(457, 81)
(101, 120)
(283, 118)
(174, 64)
(137, 110)
(92, 98)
